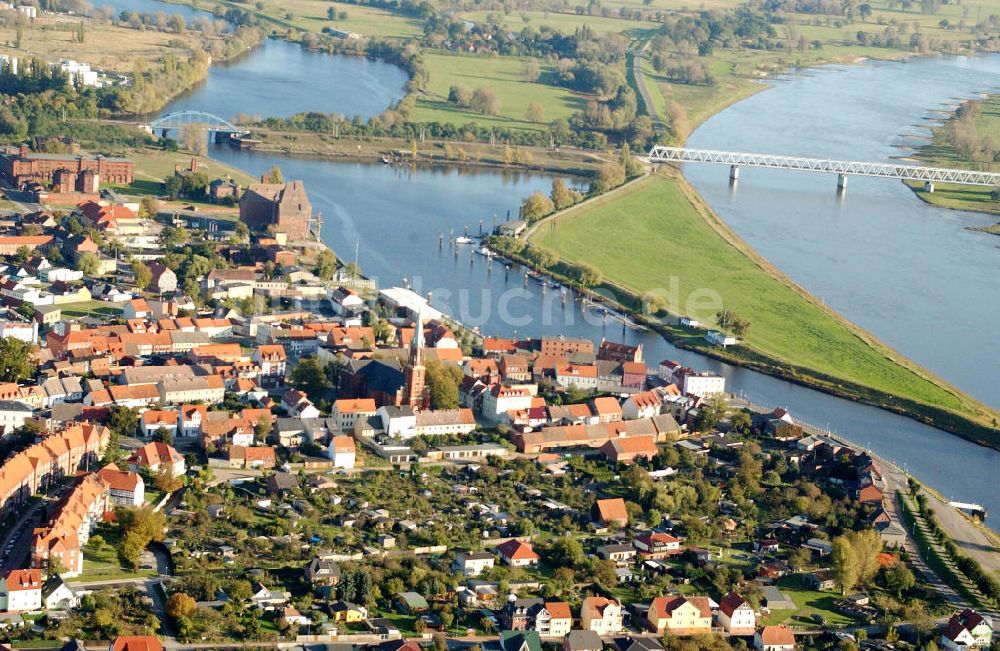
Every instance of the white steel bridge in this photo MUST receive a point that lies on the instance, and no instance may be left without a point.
(926, 175)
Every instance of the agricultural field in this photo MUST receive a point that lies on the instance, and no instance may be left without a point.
(311, 16)
(105, 46)
(659, 235)
(566, 23)
(504, 76)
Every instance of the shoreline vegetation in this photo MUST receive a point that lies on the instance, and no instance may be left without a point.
(968, 138)
(840, 359)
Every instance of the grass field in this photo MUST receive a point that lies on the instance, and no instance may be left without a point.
(566, 23)
(808, 603)
(504, 76)
(105, 46)
(311, 15)
(659, 237)
(152, 166)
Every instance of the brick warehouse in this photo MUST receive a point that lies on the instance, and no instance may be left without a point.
(20, 166)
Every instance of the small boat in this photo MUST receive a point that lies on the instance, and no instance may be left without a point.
(385, 160)
(462, 239)
(485, 251)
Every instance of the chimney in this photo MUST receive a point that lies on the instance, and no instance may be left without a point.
(24, 150)
(194, 164)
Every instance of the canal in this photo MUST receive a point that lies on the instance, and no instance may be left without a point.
(395, 216)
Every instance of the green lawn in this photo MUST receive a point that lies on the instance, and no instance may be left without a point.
(101, 562)
(504, 76)
(658, 238)
(98, 309)
(809, 603)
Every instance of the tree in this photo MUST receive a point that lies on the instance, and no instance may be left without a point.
(326, 264)
(561, 195)
(143, 276)
(485, 101)
(17, 360)
(536, 206)
(141, 526)
(123, 421)
(263, 428)
(609, 175)
(535, 112)
(165, 481)
(855, 558)
(273, 175)
(309, 376)
(531, 70)
(460, 95)
(898, 579)
(194, 138)
(568, 552)
(180, 605)
(604, 573)
(864, 10)
(21, 255)
(588, 275)
(443, 382)
(149, 208)
(846, 570)
(542, 257)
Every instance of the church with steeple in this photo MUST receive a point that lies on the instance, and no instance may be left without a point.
(416, 393)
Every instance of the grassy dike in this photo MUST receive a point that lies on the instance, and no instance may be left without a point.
(657, 228)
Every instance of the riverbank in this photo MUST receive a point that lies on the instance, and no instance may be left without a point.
(969, 138)
(576, 162)
(666, 237)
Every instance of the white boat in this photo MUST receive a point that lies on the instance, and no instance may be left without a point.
(485, 251)
(462, 239)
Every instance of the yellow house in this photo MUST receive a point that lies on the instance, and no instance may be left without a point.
(345, 611)
(77, 294)
(681, 615)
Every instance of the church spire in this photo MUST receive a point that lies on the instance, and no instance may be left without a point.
(417, 342)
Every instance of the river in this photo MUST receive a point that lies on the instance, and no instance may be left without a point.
(909, 272)
(396, 216)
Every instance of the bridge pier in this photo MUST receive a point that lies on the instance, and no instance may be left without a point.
(734, 173)
(928, 187)
(841, 182)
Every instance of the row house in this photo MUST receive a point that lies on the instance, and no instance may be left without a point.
(57, 455)
(208, 389)
(63, 539)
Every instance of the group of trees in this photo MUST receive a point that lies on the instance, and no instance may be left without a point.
(139, 526)
(481, 100)
(732, 321)
(855, 558)
(971, 145)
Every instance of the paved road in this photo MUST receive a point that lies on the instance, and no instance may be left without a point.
(968, 535)
(640, 82)
(21, 535)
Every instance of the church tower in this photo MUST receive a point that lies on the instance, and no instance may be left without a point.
(418, 394)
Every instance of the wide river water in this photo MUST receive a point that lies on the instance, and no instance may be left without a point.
(395, 216)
